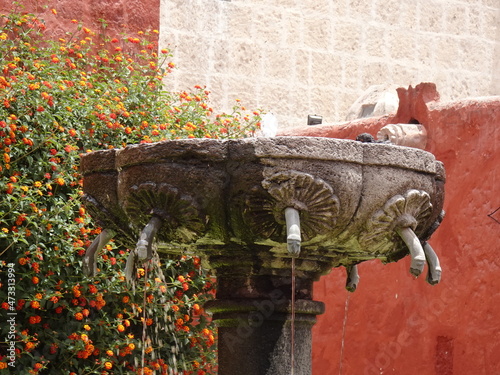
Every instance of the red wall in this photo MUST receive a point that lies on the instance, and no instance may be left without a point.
(395, 324)
(122, 16)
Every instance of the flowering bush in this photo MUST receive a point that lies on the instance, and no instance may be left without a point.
(60, 98)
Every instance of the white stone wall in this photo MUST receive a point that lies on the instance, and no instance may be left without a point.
(300, 57)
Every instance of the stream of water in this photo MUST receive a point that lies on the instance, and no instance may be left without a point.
(292, 333)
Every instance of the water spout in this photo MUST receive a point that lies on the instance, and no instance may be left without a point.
(434, 274)
(144, 248)
(144, 245)
(293, 238)
(352, 278)
(89, 261)
(416, 252)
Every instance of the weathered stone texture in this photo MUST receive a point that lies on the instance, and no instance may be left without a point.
(278, 44)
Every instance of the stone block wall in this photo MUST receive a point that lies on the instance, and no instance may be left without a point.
(300, 57)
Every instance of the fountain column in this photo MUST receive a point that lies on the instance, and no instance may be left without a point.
(253, 315)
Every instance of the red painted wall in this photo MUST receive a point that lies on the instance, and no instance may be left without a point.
(122, 16)
(395, 324)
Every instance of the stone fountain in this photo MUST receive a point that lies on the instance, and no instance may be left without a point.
(252, 207)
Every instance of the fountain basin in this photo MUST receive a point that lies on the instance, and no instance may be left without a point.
(220, 198)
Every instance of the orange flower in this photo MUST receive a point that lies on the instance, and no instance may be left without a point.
(78, 316)
(108, 365)
(35, 280)
(120, 328)
(196, 308)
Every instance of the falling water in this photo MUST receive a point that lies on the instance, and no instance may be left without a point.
(343, 333)
(292, 355)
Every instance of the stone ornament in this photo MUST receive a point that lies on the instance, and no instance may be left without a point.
(312, 197)
(164, 214)
(409, 135)
(178, 212)
(402, 216)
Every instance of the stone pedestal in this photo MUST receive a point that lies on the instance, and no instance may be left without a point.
(255, 328)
